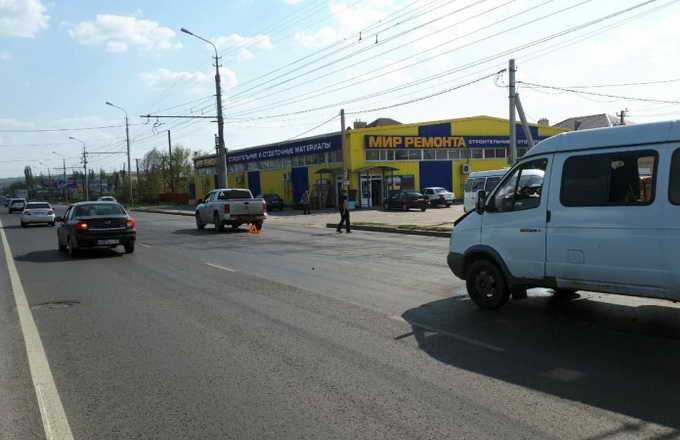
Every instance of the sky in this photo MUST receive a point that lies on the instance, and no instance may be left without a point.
(289, 66)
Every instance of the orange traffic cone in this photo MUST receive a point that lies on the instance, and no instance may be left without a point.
(253, 229)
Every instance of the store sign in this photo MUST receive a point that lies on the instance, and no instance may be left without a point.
(404, 142)
(374, 142)
(320, 145)
(205, 163)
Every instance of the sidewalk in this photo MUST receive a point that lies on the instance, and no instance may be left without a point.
(438, 218)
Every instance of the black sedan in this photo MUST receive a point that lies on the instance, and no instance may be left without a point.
(274, 201)
(406, 200)
(96, 225)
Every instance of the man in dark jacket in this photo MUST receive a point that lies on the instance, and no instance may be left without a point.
(344, 212)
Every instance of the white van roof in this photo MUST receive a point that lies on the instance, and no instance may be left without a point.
(652, 133)
(490, 173)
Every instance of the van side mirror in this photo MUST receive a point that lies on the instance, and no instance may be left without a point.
(481, 202)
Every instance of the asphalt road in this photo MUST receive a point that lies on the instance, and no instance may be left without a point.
(309, 334)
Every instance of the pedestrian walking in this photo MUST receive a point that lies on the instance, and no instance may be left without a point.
(344, 212)
(306, 201)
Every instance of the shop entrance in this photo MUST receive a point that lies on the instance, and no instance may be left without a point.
(371, 191)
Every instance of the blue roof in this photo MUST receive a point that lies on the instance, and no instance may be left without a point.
(655, 132)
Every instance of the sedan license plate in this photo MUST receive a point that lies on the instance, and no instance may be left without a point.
(107, 242)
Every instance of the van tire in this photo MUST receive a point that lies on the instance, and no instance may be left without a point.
(486, 285)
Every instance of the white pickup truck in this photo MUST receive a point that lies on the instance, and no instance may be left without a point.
(233, 207)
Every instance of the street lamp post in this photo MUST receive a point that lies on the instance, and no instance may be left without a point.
(221, 150)
(127, 140)
(87, 184)
(63, 159)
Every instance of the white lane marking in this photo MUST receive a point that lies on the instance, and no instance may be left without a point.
(217, 266)
(459, 337)
(52, 412)
(145, 245)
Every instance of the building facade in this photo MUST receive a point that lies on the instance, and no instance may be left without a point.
(373, 162)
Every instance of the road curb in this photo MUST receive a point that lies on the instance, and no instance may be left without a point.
(164, 211)
(395, 230)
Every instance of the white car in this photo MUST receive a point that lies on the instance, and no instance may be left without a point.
(436, 195)
(107, 199)
(37, 212)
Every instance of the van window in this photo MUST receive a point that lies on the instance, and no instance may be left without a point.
(623, 178)
(521, 190)
(674, 181)
(491, 183)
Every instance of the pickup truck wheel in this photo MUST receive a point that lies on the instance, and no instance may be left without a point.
(423, 209)
(61, 247)
(199, 225)
(404, 207)
(219, 226)
(486, 285)
(258, 225)
(129, 247)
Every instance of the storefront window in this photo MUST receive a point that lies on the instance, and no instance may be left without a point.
(454, 154)
(489, 153)
(415, 155)
(401, 155)
(500, 152)
(408, 183)
(476, 153)
(428, 154)
(372, 155)
(441, 154)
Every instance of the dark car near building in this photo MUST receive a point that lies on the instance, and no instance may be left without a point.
(96, 225)
(405, 200)
(274, 201)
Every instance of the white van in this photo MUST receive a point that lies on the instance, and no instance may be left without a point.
(605, 217)
(478, 181)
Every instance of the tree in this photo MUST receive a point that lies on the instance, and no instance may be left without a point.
(28, 174)
(177, 172)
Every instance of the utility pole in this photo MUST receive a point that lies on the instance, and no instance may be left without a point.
(127, 141)
(221, 150)
(622, 116)
(345, 156)
(172, 179)
(512, 157)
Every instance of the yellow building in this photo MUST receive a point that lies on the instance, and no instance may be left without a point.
(375, 159)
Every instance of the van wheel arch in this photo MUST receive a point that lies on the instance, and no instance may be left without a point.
(488, 253)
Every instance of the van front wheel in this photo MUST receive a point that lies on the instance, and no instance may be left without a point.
(486, 285)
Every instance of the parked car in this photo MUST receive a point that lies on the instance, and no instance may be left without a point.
(274, 201)
(477, 181)
(405, 200)
(16, 205)
(37, 212)
(96, 225)
(107, 199)
(438, 196)
(233, 207)
(593, 210)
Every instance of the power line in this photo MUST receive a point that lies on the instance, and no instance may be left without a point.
(345, 57)
(606, 95)
(422, 98)
(312, 129)
(623, 84)
(62, 129)
(353, 80)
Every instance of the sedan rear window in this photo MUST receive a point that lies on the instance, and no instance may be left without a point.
(95, 209)
(38, 206)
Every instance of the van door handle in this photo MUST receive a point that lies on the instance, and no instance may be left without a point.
(529, 230)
